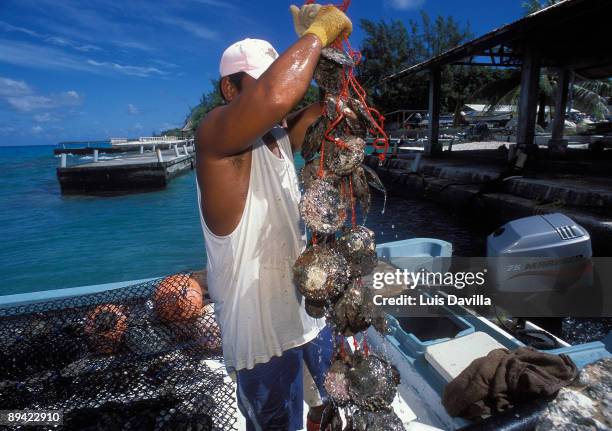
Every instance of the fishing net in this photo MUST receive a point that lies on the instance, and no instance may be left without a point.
(145, 356)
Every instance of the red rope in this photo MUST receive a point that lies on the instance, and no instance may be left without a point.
(343, 7)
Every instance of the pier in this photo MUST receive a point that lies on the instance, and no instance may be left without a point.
(147, 170)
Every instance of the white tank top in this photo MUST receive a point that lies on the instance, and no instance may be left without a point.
(250, 277)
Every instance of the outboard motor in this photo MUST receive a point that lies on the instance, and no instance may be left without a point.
(538, 264)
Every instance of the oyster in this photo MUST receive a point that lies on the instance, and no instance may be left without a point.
(310, 172)
(320, 273)
(337, 56)
(331, 419)
(361, 190)
(348, 156)
(358, 246)
(314, 308)
(322, 208)
(329, 70)
(314, 137)
(353, 311)
(381, 420)
(372, 382)
(365, 117)
(373, 179)
(336, 382)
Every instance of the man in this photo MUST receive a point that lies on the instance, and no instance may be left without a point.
(249, 206)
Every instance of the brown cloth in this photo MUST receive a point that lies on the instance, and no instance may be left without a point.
(498, 381)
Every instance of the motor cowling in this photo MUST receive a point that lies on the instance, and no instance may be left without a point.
(540, 253)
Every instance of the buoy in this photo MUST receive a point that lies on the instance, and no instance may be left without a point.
(105, 326)
(178, 298)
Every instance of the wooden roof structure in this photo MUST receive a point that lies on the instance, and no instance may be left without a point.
(572, 34)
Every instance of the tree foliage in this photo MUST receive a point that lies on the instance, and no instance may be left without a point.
(208, 102)
(390, 47)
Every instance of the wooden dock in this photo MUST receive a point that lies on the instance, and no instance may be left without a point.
(148, 170)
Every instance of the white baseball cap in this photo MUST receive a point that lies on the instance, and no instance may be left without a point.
(252, 56)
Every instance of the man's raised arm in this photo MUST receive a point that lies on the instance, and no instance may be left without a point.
(230, 129)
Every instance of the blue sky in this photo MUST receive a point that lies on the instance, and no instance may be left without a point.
(75, 70)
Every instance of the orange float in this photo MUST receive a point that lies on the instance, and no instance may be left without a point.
(105, 326)
(178, 298)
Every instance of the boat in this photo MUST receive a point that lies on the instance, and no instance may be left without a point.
(428, 352)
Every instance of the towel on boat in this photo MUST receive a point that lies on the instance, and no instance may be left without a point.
(498, 381)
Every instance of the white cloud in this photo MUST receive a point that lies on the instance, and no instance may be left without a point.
(142, 71)
(33, 102)
(10, 87)
(196, 29)
(36, 129)
(7, 129)
(217, 3)
(30, 55)
(133, 109)
(55, 40)
(45, 118)
(21, 97)
(61, 41)
(405, 4)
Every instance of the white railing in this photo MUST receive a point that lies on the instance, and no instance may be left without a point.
(158, 138)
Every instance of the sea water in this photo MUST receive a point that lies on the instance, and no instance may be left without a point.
(50, 241)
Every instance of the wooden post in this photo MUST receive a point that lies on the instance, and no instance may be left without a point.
(160, 158)
(557, 143)
(141, 149)
(154, 148)
(416, 162)
(528, 101)
(63, 159)
(176, 151)
(432, 145)
(185, 149)
(95, 154)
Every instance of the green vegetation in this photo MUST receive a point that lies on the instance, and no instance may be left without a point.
(391, 47)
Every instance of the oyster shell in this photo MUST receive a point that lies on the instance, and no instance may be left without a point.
(348, 156)
(381, 420)
(353, 311)
(372, 382)
(314, 309)
(358, 246)
(322, 208)
(314, 137)
(336, 382)
(320, 273)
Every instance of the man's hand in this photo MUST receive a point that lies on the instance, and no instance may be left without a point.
(325, 22)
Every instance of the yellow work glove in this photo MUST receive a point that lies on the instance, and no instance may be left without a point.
(328, 24)
(303, 17)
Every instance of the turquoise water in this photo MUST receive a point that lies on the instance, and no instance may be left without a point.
(50, 241)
